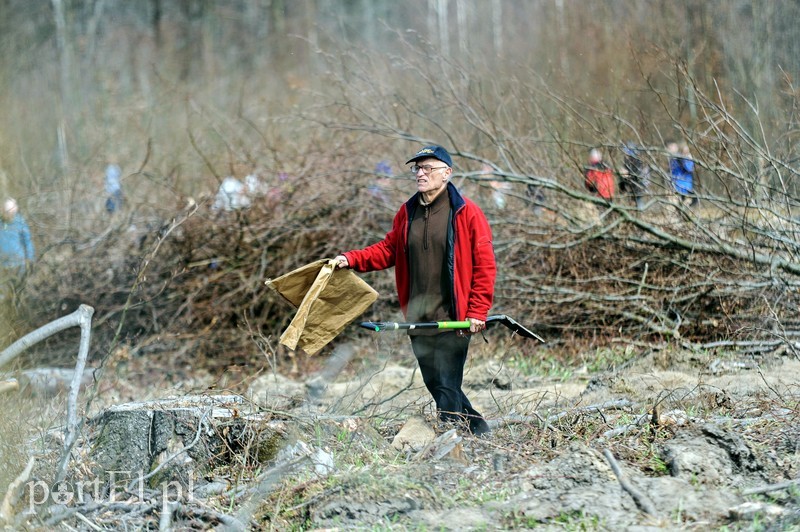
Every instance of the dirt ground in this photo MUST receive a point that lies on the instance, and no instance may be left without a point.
(713, 436)
(665, 439)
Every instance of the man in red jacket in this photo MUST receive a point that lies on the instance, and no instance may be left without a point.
(440, 246)
(598, 176)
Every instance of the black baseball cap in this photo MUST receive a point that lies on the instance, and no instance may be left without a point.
(437, 152)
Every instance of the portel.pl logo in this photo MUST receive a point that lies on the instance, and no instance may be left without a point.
(123, 487)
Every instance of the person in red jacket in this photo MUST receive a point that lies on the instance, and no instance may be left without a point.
(441, 248)
(598, 177)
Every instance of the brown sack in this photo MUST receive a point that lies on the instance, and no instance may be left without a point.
(328, 299)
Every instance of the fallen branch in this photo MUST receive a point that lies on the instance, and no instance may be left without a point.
(82, 318)
(60, 513)
(641, 500)
(241, 521)
(85, 519)
(772, 487)
(389, 399)
(778, 414)
(608, 405)
(165, 521)
(207, 513)
(77, 318)
(9, 385)
(613, 433)
(511, 419)
(7, 507)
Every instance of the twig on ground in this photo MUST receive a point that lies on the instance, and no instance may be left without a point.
(208, 513)
(88, 523)
(609, 405)
(769, 385)
(512, 419)
(772, 487)
(62, 513)
(641, 500)
(241, 521)
(165, 521)
(7, 507)
(389, 399)
(613, 433)
(777, 414)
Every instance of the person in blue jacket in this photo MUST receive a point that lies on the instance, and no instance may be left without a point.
(681, 169)
(113, 188)
(16, 246)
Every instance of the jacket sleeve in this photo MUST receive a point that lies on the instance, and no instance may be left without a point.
(380, 255)
(484, 268)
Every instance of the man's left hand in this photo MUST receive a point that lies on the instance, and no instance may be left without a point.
(476, 325)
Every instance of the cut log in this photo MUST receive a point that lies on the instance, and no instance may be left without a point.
(9, 385)
(149, 443)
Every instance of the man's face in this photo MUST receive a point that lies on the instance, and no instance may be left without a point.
(8, 212)
(431, 183)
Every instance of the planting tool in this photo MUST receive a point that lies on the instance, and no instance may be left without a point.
(501, 319)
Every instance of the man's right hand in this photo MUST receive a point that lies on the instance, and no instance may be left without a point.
(341, 261)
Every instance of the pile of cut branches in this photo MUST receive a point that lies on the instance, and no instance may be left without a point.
(198, 280)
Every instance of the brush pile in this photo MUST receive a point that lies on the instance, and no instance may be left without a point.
(194, 282)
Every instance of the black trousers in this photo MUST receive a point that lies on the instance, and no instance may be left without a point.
(441, 359)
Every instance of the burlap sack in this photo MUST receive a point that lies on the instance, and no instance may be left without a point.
(327, 300)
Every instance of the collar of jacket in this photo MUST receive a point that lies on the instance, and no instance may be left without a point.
(456, 201)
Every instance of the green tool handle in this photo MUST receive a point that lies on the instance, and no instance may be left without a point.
(393, 326)
(453, 324)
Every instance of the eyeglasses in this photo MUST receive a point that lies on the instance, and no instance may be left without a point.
(426, 168)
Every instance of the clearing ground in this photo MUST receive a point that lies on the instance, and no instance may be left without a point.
(665, 439)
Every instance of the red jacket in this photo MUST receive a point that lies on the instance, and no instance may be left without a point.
(600, 180)
(470, 256)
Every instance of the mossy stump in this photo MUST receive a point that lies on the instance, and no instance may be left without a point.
(192, 434)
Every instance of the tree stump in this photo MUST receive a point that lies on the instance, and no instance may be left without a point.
(179, 439)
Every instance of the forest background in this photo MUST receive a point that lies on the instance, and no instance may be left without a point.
(310, 96)
(182, 94)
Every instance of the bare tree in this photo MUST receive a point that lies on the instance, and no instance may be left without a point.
(64, 80)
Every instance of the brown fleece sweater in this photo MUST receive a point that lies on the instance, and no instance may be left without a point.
(427, 241)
